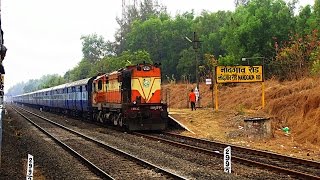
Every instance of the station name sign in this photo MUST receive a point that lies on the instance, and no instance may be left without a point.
(239, 74)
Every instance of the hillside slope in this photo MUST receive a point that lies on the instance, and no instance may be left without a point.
(295, 104)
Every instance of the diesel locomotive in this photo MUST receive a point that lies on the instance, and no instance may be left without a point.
(129, 98)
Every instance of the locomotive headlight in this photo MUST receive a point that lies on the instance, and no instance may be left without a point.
(146, 68)
(134, 102)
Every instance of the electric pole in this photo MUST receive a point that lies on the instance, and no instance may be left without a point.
(1, 84)
(3, 51)
(196, 46)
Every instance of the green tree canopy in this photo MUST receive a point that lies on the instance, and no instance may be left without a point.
(272, 29)
(94, 47)
(254, 28)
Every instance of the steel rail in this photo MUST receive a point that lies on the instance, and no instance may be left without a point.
(89, 164)
(114, 149)
(235, 158)
(250, 150)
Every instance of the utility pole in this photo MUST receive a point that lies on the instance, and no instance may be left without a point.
(1, 87)
(196, 46)
(3, 51)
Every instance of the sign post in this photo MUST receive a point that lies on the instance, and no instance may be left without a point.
(262, 95)
(227, 159)
(196, 91)
(216, 96)
(209, 82)
(240, 74)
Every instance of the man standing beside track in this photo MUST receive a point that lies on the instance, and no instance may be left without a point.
(192, 99)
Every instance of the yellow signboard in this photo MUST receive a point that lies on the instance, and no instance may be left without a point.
(238, 74)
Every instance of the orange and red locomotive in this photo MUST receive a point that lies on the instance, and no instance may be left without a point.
(131, 98)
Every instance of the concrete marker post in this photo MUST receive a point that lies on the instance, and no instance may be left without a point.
(30, 167)
(227, 160)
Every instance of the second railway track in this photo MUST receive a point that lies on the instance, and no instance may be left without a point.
(295, 167)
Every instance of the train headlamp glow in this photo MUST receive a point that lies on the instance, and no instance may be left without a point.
(134, 102)
(146, 68)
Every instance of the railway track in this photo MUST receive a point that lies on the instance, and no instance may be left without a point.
(295, 167)
(105, 161)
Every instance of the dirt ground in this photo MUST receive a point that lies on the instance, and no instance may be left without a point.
(228, 127)
(288, 104)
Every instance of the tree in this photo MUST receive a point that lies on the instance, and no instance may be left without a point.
(94, 47)
(150, 8)
(298, 58)
(303, 21)
(187, 65)
(314, 20)
(31, 85)
(113, 63)
(253, 29)
(241, 2)
(130, 58)
(147, 36)
(146, 9)
(81, 71)
(16, 89)
(50, 81)
(209, 26)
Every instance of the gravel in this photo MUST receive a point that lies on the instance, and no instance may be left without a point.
(20, 138)
(184, 162)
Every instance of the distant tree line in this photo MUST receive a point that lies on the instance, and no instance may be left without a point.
(283, 36)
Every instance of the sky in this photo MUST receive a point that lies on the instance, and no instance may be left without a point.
(43, 36)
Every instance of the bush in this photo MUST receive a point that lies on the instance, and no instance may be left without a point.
(296, 57)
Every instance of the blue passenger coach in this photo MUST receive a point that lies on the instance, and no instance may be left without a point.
(78, 95)
(73, 98)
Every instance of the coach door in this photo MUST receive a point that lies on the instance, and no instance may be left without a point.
(80, 100)
(74, 98)
(65, 97)
(84, 98)
(126, 87)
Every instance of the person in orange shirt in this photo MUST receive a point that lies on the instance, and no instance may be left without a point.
(192, 99)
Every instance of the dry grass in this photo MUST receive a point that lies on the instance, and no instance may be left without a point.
(295, 104)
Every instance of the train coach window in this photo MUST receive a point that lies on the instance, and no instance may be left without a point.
(99, 85)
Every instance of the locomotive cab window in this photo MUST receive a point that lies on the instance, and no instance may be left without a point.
(94, 88)
(99, 85)
(107, 82)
